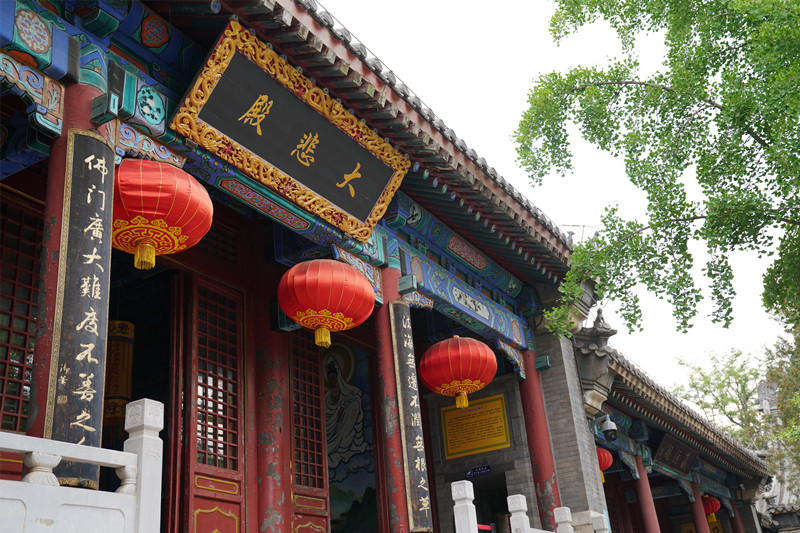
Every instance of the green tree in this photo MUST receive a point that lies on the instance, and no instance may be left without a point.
(725, 391)
(783, 370)
(724, 110)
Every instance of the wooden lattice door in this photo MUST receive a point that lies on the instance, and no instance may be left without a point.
(214, 432)
(310, 508)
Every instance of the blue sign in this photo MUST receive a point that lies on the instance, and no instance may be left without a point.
(477, 471)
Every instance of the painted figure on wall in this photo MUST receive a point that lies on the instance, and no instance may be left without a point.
(349, 436)
(344, 417)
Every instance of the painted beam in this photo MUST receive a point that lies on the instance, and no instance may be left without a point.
(413, 220)
(463, 303)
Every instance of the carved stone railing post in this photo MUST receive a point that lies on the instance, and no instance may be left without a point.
(600, 524)
(143, 420)
(563, 518)
(518, 507)
(464, 510)
(40, 468)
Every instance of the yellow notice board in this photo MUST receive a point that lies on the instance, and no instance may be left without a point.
(481, 427)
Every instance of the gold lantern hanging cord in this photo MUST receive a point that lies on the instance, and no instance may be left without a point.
(158, 209)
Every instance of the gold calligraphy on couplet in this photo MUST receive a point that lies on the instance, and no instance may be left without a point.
(90, 289)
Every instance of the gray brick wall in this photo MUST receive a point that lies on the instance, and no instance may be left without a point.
(578, 476)
(509, 465)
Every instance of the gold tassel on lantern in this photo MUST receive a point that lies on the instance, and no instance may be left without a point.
(461, 400)
(145, 256)
(322, 337)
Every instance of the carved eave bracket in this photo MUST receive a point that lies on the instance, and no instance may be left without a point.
(592, 352)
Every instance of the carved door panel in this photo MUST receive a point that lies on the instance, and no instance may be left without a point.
(310, 508)
(214, 431)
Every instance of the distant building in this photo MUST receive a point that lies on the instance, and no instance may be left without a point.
(779, 506)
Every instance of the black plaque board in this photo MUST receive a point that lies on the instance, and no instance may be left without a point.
(675, 455)
(236, 108)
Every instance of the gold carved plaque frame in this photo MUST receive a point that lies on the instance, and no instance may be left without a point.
(186, 122)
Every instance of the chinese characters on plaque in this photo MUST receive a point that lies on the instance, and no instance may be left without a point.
(79, 343)
(675, 455)
(253, 109)
(410, 411)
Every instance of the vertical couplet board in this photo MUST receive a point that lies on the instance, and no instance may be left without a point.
(408, 402)
(77, 371)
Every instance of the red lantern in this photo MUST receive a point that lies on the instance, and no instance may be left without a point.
(158, 209)
(710, 504)
(457, 367)
(326, 295)
(604, 458)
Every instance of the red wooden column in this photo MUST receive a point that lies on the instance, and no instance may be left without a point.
(539, 446)
(646, 504)
(77, 114)
(272, 438)
(698, 513)
(392, 477)
(736, 522)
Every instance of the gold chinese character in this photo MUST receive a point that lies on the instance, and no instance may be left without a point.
(86, 354)
(89, 323)
(100, 164)
(414, 401)
(90, 286)
(419, 464)
(354, 175)
(86, 391)
(96, 227)
(422, 484)
(257, 112)
(91, 257)
(412, 381)
(92, 189)
(425, 504)
(419, 444)
(80, 419)
(416, 419)
(408, 342)
(303, 152)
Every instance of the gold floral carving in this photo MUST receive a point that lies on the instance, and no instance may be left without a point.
(237, 39)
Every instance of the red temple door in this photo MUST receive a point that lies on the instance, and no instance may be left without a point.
(214, 430)
(310, 503)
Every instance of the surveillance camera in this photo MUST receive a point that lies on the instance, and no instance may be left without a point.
(609, 430)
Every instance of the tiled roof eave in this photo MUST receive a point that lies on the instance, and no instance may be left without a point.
(684, 421)
(459, 165)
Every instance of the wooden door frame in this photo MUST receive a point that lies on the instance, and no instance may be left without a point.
(229, 276)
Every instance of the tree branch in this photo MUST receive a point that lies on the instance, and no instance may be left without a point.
(667, 88)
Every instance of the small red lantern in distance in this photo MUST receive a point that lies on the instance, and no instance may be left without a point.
(457, 367)
(158, 209)
(711, 504)
(604, 458)
(326, 295)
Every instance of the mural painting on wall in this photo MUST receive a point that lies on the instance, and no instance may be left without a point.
(351, 467)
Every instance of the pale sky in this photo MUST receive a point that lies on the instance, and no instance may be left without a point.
(472, 63)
